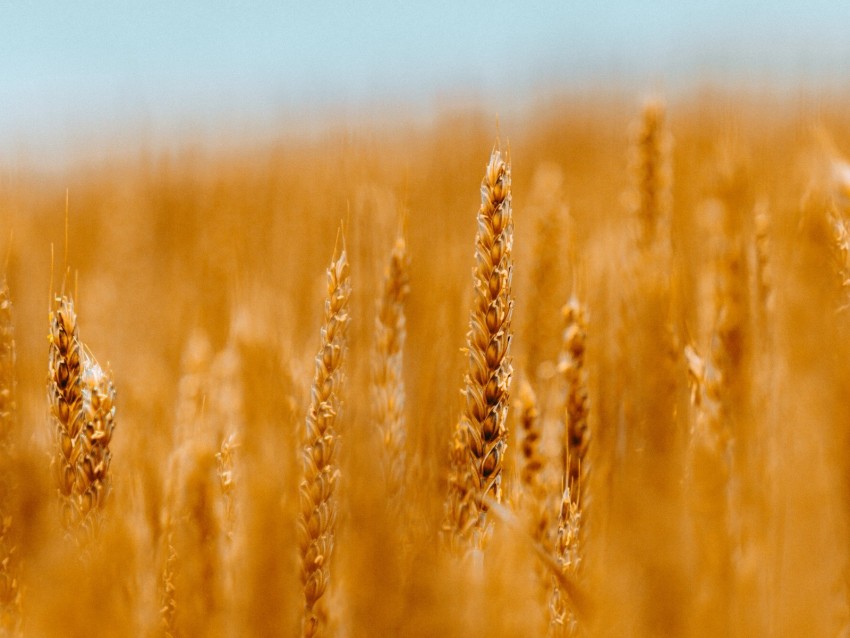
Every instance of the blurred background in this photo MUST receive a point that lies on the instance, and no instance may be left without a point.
(78, 78)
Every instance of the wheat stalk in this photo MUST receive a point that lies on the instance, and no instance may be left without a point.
(10, 591)
(479, 442)
(187, 432)
(317, 517)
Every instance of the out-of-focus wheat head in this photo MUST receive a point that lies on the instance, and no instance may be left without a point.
(388, 369)
(577, 404)
(650, 165)
(479, 443)
(318, 514)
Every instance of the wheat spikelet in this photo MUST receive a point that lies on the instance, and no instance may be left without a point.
(651, 173)
(317, 518)
(388, 382)
(10, 592)
(480, 439)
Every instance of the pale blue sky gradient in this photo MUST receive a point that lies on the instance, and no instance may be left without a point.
(71, 72)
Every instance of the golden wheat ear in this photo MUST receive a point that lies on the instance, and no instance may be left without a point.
(81, 396)
(65, 395)
(480, 440)
(317, 517)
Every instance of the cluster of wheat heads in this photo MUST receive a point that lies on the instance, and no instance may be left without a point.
(650, 437)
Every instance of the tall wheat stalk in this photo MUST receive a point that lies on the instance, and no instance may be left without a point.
(317, 518)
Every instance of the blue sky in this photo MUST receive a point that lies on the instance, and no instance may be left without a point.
(72, 70)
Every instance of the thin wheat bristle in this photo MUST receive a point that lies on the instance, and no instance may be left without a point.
(480, 438)
(318, 513)
(388, 381)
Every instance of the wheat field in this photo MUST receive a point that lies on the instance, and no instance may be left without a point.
(583, 372)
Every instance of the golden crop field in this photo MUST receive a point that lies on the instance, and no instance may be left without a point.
(584, 372)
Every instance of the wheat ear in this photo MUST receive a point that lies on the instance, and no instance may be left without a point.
(650, 166)
(388, 381)
(81, 396)
(317, 518)
(577, 406)
(65, 393)
(479, 442)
